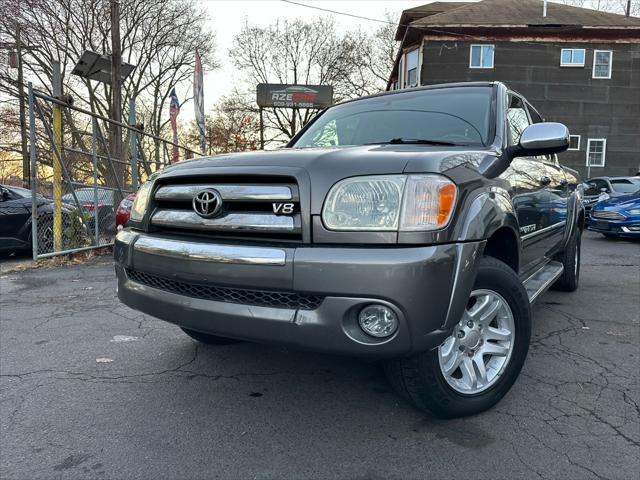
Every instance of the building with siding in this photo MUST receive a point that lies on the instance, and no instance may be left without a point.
(577, 66)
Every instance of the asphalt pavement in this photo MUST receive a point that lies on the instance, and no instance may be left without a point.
(92, 389)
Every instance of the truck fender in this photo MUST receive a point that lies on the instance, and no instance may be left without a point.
(485, 215)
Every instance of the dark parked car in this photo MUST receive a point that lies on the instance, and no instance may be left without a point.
(617, 216)
(105, 205)
(592, 195)
(601, 188)
(414, 227)
(15, 220)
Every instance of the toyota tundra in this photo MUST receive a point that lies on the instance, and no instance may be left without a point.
(413, 227)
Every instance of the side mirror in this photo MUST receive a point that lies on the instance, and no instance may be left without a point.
(542, 139)
(3, 194)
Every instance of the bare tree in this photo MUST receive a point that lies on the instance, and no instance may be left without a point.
(612, 6)
(232, 126)
(377, 56)
(158, 36)
(297, 52)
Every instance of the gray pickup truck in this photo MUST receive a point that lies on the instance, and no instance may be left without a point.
(413, 227)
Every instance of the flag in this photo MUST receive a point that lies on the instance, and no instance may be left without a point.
(198, 97)
(174, 110)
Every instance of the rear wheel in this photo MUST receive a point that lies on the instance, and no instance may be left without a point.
(208, 339)
(477, 365)
(570, 259)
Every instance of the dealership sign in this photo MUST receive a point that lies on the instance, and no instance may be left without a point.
(294, 96)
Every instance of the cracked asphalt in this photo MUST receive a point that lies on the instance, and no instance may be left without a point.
(157, 405)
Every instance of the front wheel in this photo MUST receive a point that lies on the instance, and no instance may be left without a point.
(477, 365)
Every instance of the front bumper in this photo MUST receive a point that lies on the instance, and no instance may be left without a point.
(426, 286)
(628, 227)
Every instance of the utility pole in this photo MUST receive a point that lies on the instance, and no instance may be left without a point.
(56, 160)
(26, 171)
(628, 12)
(116, 91)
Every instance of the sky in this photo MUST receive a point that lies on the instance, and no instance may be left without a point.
(226, 18)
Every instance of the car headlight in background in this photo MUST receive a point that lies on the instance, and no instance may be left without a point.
(141, 201)
(390, 203)
(634, 211)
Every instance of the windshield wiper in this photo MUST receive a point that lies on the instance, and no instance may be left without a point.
(416, 141)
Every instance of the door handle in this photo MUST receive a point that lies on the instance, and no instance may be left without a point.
(544, 180)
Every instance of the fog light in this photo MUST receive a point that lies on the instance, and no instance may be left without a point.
(378, 321)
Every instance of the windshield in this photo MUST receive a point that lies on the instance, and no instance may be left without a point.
(458, 116)
(624, 186)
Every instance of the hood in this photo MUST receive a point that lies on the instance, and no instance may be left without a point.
(621, 201)
(321, 168)
(364, 159)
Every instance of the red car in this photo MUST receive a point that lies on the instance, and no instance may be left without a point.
(124, 210)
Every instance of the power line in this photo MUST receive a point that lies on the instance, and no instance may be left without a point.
(342, 13)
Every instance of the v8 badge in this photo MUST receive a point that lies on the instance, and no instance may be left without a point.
(284, 208)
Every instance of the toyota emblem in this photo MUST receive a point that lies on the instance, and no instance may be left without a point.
(207, 203)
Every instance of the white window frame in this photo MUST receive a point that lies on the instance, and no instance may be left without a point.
(604, 151)
(493, 57)
(593, 70)
(584, 57)
(405, 84)
(578, 147)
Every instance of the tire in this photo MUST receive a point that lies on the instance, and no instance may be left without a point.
(208, 339)
(421, 378)
(570, 259)
(610, 236)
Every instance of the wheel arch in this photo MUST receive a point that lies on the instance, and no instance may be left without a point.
(491, 217)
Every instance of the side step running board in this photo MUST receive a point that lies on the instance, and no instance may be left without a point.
(540, 281)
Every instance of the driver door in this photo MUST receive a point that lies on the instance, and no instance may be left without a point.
(527, 188)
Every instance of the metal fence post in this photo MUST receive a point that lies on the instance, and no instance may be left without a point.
(34, 185)
(94, 155)
(57, 160)
(133, 140)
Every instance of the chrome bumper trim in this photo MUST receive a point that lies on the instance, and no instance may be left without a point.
(207, 252)
(253, 222)
(227, 192)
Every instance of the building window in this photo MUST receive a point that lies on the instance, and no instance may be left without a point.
(411, 62)
(602, 60)
(596, 152)
(572, 57)
(574, 142)
(481, 56)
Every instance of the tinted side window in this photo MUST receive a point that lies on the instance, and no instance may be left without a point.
(517, 118)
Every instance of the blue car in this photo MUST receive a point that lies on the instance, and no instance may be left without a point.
(617, 216)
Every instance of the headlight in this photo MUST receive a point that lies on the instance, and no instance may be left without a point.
(634, 211)
(390, 203)
(364, 203)
(141, 201)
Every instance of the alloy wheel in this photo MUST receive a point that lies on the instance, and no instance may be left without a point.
(474, 357)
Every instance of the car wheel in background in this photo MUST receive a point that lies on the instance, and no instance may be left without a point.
(208, 339)
(477, 365)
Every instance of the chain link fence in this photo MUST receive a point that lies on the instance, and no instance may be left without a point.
(77, 184)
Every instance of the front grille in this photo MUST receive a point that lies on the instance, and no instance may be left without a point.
(261, 298)
(605, 215)
(265, 209)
